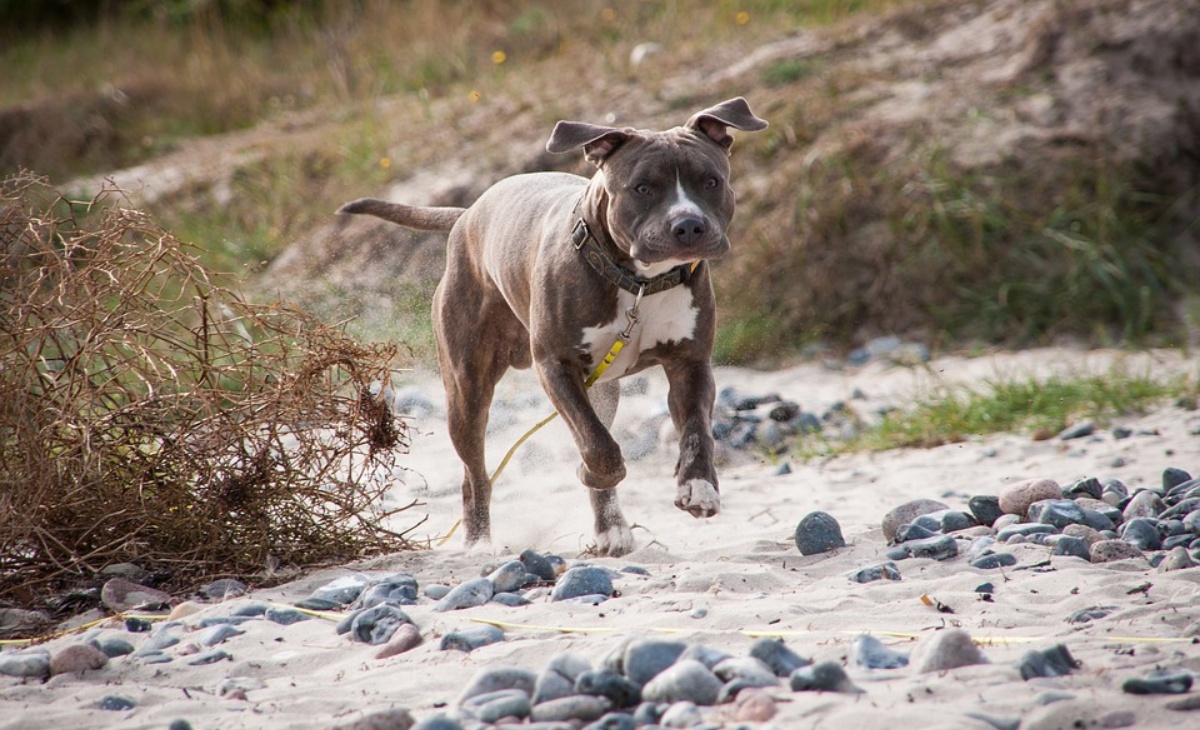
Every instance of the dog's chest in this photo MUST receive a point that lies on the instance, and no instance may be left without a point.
(668, 316)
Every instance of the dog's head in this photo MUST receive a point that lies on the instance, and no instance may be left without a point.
(662, 197)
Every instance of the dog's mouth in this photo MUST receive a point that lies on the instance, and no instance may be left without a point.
(655, 256)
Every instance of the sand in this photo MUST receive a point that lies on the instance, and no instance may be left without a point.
(721, 581)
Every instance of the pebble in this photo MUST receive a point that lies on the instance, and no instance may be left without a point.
(607, 682)
(114, 646)
(585, 708)
(906, 513)
(377, 624)
(1145, 503)
(182, 610)
(471, 639)
(158, 641)
(223, 589)
(1142, 533)
(915, 531)
(436, 591)
(116, 703)
(643, 659)
(343, 590)
(468, 594)
(250, 609)
(682, 715)
(869, 652)
(941, 547)
(754, 706)
(753, 672)
(399, 589)
(684, 681)
(508, 577)
(559, 677)
(1072, 547)
(219, 633)
(994, 561)
(394, 718)
(542, 566)
(1077, 431)
(1091, 613)
(286, 616)
(497, 678)
(882, 571)
(1025, 529)
(1056, 512)
(706, 655)
(77, 658)
(512, 600)
(438, 722)
(648, 713)
(1178, 559)
(493, 706)
(1114, 491)
(986, 508)
(943, 650)
(777, 656)
(818, 532)
(1159, 683)
(1172, 477)
(1053, 662)
(582, 580)
(1089, 487)
(406, 637)
(121, 595)
(613, 721)
(1106, 551)
(1016, 498)
(212, 656)
(822, 677)
(1090, 535)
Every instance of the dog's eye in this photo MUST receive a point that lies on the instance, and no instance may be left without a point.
(642, 189)
(711, 183)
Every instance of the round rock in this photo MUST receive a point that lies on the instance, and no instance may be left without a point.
(646, 658)
(583, 580)
(906, 513)
(469, 594)
(943, 650)
(777, 656)
(818, 532)
(121, 595)
(1016, 498)
(1107, 551)
(869, 652)
(77, 658)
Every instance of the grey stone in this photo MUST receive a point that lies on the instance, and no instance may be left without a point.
(582, 581)
(818, 532)
(342, 590)
(1114, 491)
(1090, 535)
(1091, 613)
(986, 508)
(224, 589)
(1106, 551)
(906, 513)
(606, 682)
(995, 560)
(938, 548)
(468, 594)
(114, 646)
(754, 672)
(1077, 431)
(882, 571)
(286, 616)
(1142, 532)
(508, 577)
(944, 650)
(116, 703)
(121, 596)
(469, 640)
(1089, 487)
(1145, 503)
(999, 722)
(706, 655)
(915, 531)
(493, 706)
(212, 656)
(585, 708)
(777, 656)
(399, 590)
(158, 641)
(682, 715)
(1073, 547)
(1056, 512)
(613, 721)
(76, 659)
(869, 652)
(1025, 529)
(1177, 559)
(377, 624)
(216, 634)
(1167, 682)
(498, 678)
(436, 591)
(395, 718)
(822, 677)
(645, 658)
(512, 600)
(1172, 477)
(440, 721)
(1053, 662)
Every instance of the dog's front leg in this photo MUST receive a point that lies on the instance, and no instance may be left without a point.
(603, 466)
(692, 392)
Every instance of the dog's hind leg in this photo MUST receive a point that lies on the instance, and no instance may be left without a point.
(613, 536)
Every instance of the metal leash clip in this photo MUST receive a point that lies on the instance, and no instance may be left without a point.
(631, 315)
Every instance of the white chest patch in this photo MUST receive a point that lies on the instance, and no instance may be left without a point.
(664, 317)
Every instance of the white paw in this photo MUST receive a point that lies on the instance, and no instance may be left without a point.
(699, 498)
(615, 541)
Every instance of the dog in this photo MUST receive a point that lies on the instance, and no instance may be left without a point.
(550, 270)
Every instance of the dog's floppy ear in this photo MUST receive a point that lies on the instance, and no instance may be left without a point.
(733, 113)
(597, 142)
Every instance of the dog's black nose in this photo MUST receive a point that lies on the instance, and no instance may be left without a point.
(688, 230)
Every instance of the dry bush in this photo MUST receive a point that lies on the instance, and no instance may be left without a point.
(149, 415)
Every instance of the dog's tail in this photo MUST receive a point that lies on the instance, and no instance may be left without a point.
(409, 216)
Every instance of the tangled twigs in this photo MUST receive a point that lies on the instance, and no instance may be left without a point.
(150, 415)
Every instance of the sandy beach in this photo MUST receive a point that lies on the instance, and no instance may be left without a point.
(722, 582)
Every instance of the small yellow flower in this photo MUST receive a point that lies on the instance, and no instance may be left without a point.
(742, 17)
(499, 57)
(474, 95)
(385, 162)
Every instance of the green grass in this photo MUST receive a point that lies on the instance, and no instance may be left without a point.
(1040, 408)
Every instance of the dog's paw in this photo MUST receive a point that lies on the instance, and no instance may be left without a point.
(615, 541)
(699, 498)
